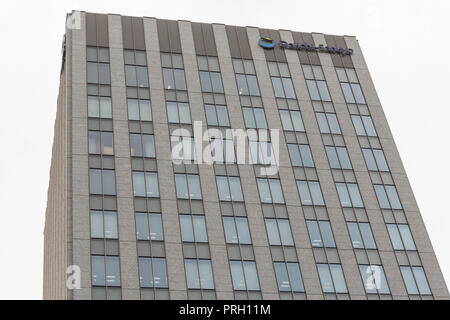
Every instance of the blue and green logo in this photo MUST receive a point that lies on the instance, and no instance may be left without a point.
(266, 42)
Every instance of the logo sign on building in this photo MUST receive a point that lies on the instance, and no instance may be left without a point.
(269, 43)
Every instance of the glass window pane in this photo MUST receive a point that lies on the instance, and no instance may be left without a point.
(199, 228)
(288, 88)
(323, 123)
(230, 230)
(169, 82)
(341, 74)
(359, 128)
(112, 271)
(313, 91)
(222, 115)
(145, 273)
(98, 271)
(323, 90)
(141, 58)
(303, 190)
(242, 84)
(107, 143)
(194, 186)
(285, 232)
(235, 187)
(205, 81)
(264, 191)
(216, 82)
(381, 161)
(295, 276)
(297, 121)
(368, 279)
(222, 186)
(277, 193)
(325, 278)
(92, 71)
(332, 157)
(395, 236)
(370, 160)
(105, 107)
(382, 197)
(94, 142)
(406, 237)
(159, 273)
(249, 118)
(93, 107)
(421, 280)
(103, 70)
(316, 193)
(130, 76)
(286, 120)
(156, 231)
(260, 118)
(253, 85)
(359, 97)
(243, 231)
(211, 115)
(133, 109)
(366, 232)
(355, 235)
(306, 156)
(347, 93)
(185, 116)
(278, 87)
(282, 276)
(314, 234)
(272, 232)
(294, 155)
(327, 234)
(192, 278)
(146, 112)
(333, 122)
(142, 76)
(96, 224)
(152, 184)
(142, 232)
(368, 124)
(135, 145)
(251, 275)
(237, 274)
(138, 184)
(338, 278)
(172, 112)
(180, 83)
(343, 157)
(343, 195)
(109, 182)
(95, 181)
(206, 276)
(187, 233)
(393, 197)
(248, 66)
(166, 60)
(110, 225)
(355, 195)
(408, 278)
(149, 145)
(177, 61)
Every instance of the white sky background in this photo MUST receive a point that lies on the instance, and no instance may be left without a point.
(405, 43)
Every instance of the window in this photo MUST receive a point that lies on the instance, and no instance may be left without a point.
(254, 118)
(349, 195)
(315, 81)
(139, 109)
(104, 224)
(178, 112)
(193, 228)
(97, 54)
(374, 279)
(199, 274)
(99, 107)
(332, 278)
(208, 63)
(145, 184)
(375, 160)
(149, 226)
(270, 190)
(288, 276)
(279, 232)
(222, 151)
(320, 234)
(105, 271)
(350, 86)
(246, 77)
(387, 197)
(211, 82)
(142, 145)
(262, 152)
(401, 236)
(338, 158)
(229, 188)
(361, 235)
(281, 80)
(102, 182)
(183, 148)
(188, 186)
(136, 74)
(236, 230)
(364, 126)
(415, 280)
(152, 273)
(300, 155)
(173, 72)
(292, 120)
(98, 73)
(328, 123)
(244, 275)
(101, 142)
(217, 115)
(310, 193)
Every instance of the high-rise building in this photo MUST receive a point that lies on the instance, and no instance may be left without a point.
(145, 203)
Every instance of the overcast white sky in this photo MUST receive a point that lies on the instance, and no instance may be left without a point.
(405, 44)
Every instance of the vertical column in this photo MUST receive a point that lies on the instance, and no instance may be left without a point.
(171, 225)
(125, 211)
(79, 162)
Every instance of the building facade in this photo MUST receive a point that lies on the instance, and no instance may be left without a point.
(133, 214)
